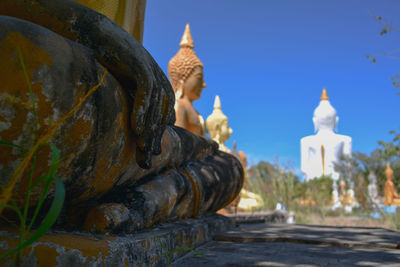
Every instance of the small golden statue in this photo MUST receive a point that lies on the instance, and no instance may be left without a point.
(185, 72)
(391, 196)
(217, 125)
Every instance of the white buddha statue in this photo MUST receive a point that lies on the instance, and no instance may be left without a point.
(320, 151)
(373, 189)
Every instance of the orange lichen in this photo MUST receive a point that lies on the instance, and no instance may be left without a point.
(6, 193)
(89, 246)
(15, 92)
(96, 220)
(46, 253)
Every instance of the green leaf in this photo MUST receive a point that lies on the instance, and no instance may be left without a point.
(28, 82)
(5, 143)
(55, 159)
(48, 221)
(191, 249)
(43, 177)
(165, 251)
(14, 208)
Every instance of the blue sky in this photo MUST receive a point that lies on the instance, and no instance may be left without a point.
(268, 60)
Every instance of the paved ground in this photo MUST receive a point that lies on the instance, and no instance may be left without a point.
(300, 245)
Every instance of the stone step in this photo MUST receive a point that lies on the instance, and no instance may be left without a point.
(298, 245)
(145, 248)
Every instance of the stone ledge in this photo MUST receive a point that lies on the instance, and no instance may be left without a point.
(276, 216)
(140, 249)
(298, 245)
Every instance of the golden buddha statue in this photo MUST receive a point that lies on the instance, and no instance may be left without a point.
(185, 72)
(391, 196)
(347, 197)
(217, 125)
(129, 14)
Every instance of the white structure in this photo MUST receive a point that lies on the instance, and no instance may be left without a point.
(335, 197)
(351, 197)
(320, 151)
(373, 190)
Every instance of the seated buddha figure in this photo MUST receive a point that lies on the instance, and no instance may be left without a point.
(217, 125)
(319, 152)
(76, 80)
(373, 189)
(391, 196)
(185, 72)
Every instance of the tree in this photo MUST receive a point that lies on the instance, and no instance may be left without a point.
(350, 168)
(394, 54)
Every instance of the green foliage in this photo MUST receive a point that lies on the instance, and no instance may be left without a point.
(168, 256)
(394, 220)
(26, 222)
(55, 208)
(273, 183)
(361, 164)
(390, 150)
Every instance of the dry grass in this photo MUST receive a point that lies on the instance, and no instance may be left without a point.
(311, 201)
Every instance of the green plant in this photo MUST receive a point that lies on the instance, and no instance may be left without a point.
(51, 216)
(25, 238)
(168, 256)
(273, 183)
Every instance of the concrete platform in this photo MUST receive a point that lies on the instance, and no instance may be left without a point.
(299, 245)
(276, 216)
(145, 248)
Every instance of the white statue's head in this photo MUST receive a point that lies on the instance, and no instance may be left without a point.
(325, 117)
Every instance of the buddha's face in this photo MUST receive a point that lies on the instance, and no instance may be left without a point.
(225, 131)
(194, 84)
(389, 174)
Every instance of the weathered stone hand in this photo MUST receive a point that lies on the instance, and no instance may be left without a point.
(149, 90)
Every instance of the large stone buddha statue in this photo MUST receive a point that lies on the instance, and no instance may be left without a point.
(76, 80)
(217, 125)
(185, 72)
(320, 151)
